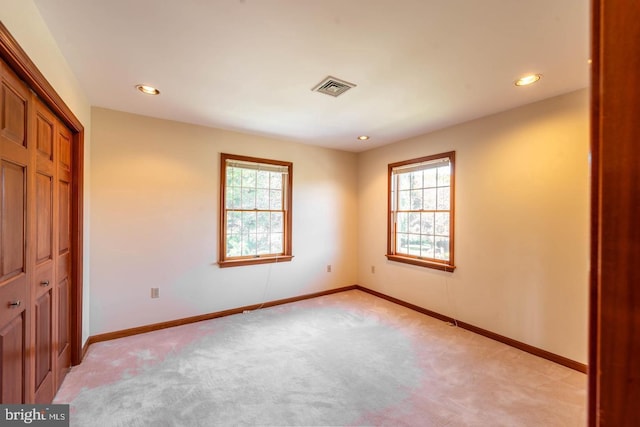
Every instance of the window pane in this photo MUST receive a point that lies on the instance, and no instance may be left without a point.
(414, 244)
(427, 223)
(262, 244)
(233, 245)
(263, 222)
(430, 199)
(248, 178)
(402, 243)
(275, 200)
(234, 222)
(416, 200)
(262, 179)
(276, 243)
(427, 247)
(248, 244)
(404, 181)
(248, 222)
(276, 222)
(442, 248)
(394, 202)
(414, 223)
(416, 180)
(234, 177)
(262, 199)
(275, 180)
(233, 198)
(444, 175)
(405, 200)
(402, 222)
(442, 223)
(444, 195)
(430, 177)
(248, 198)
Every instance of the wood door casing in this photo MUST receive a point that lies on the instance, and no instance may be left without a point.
(614, 365)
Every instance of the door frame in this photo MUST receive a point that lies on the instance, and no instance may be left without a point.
(614, 344)
(18, 60)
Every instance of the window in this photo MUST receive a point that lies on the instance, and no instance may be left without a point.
(255, 210)
(421, 214)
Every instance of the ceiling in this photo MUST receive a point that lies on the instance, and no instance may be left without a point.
(250, 65)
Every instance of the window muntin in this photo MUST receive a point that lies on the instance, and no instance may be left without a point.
(255, 210)
(421, 211)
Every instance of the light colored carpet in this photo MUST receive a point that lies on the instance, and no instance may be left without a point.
(343, 359)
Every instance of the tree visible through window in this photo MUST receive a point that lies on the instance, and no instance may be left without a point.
(255, 210)
(421, 211)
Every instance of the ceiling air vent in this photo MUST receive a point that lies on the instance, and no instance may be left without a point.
(332, 86)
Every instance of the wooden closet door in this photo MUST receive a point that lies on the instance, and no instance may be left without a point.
(45, 253)
(15, 273)
(63, 262)
(40, 225)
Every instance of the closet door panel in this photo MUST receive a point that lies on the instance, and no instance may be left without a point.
(44, 232)
(12, 358)
(63, 279)
(43, 349)
(15, 272)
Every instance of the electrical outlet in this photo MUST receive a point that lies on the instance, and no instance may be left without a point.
(328, 268)
(155, 292)
(373, 269)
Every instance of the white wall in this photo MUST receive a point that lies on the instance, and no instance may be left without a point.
(522, 236)
(23, 20)
(154, 221)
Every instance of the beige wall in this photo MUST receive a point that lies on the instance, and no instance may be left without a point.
(154, 221)
(522, 232)
(521, 222)
(23, 20)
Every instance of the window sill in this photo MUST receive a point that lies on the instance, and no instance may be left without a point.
(252, 261)
(422, 263)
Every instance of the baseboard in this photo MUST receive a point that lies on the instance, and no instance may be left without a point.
(580, 367)
(85, 348)
(184, 321)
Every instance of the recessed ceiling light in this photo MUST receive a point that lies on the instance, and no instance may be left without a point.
(527, 80)
(149, 90)
(363, 137)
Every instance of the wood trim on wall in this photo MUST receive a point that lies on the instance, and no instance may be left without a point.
(392, 254)
(561, 360)
(18, 60)
(614, 390)
(594, 212)
(184, 321)
(287, 255)
(169, 324)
